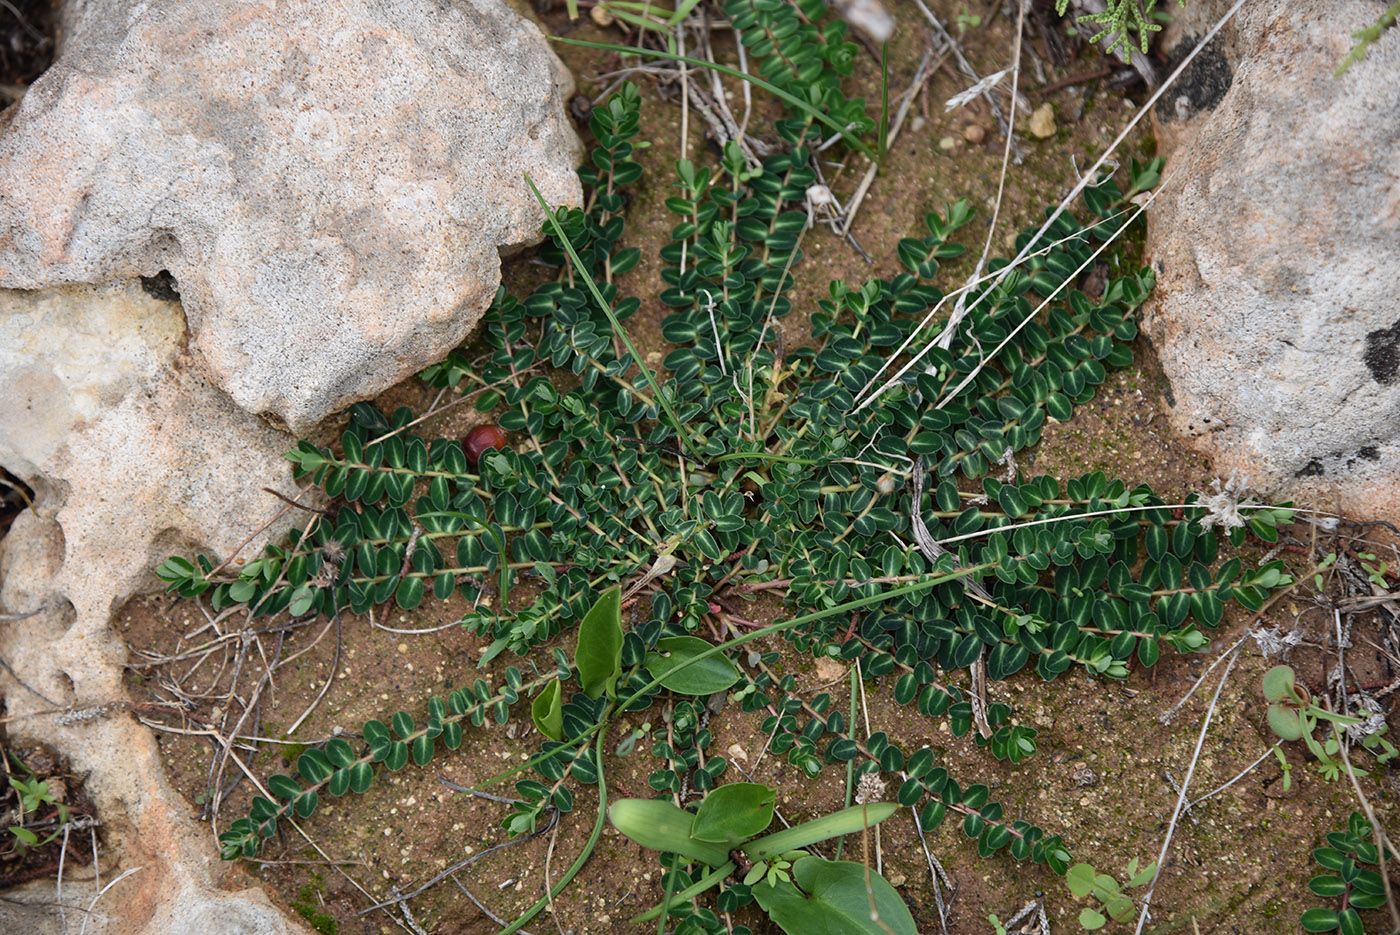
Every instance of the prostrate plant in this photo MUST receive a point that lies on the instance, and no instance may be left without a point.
(782, 489)
(741, 469)
(1347, 856)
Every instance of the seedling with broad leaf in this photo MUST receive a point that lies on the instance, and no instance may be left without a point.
(1292, 715)
(799, 891)
(1116, 905)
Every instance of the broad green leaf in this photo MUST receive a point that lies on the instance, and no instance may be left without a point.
(734, 813)
(599, 653)
(1349, 922)
(712, 674)
(1091, 920)
(1080, 880)
(661, 826)
(548, 713)
(1285, 723)
(830, 896)
(847, 821)
(1327, 884)
(1278, 683)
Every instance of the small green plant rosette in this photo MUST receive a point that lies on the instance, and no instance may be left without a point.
(1286, 703)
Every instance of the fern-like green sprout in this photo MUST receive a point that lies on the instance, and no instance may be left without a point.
(1365, 38)
(1122, 19)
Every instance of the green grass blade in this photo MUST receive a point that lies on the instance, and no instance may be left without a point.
(838, 611)
(583, 856)
(851, 139)
(690, 892)
(620, 331)
(882, 141)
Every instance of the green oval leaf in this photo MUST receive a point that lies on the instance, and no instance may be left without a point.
(1278, 683)
(661, 826)
(1319, 920)
(711, 674)
(1285, 723)
(361, 777)
(831, 896)
(733, 813)
(548, 713)
(598, 656)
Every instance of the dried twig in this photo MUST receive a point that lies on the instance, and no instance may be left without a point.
(1185, 785)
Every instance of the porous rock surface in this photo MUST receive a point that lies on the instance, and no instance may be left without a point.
(330, 184)
(1276, 243)
(132, 454)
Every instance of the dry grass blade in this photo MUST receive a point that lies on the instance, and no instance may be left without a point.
(866, 395)
(1181, 796)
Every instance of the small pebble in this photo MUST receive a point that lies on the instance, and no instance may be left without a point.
(974, 134)
(1043, 121)
(947, 142)
(601, 16)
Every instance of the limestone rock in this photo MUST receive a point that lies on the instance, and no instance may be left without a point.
(330, 184)
(132, 455)
(126, 444)
(1275, 245)
(1042, 123)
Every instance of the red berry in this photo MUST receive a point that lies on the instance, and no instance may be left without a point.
(480, 439)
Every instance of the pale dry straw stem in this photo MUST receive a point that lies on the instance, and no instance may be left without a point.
(228, 748)
(325, 686)
(963, 64)
(960, 308)
(1085, 180)
(987, 358)
(938, 306)
(1185, 785)
(1243, 773)
(102, 892)
(58, 894)
(1166, 717)
(865, 713)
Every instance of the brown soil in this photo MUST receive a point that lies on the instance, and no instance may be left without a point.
(1100, 777)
